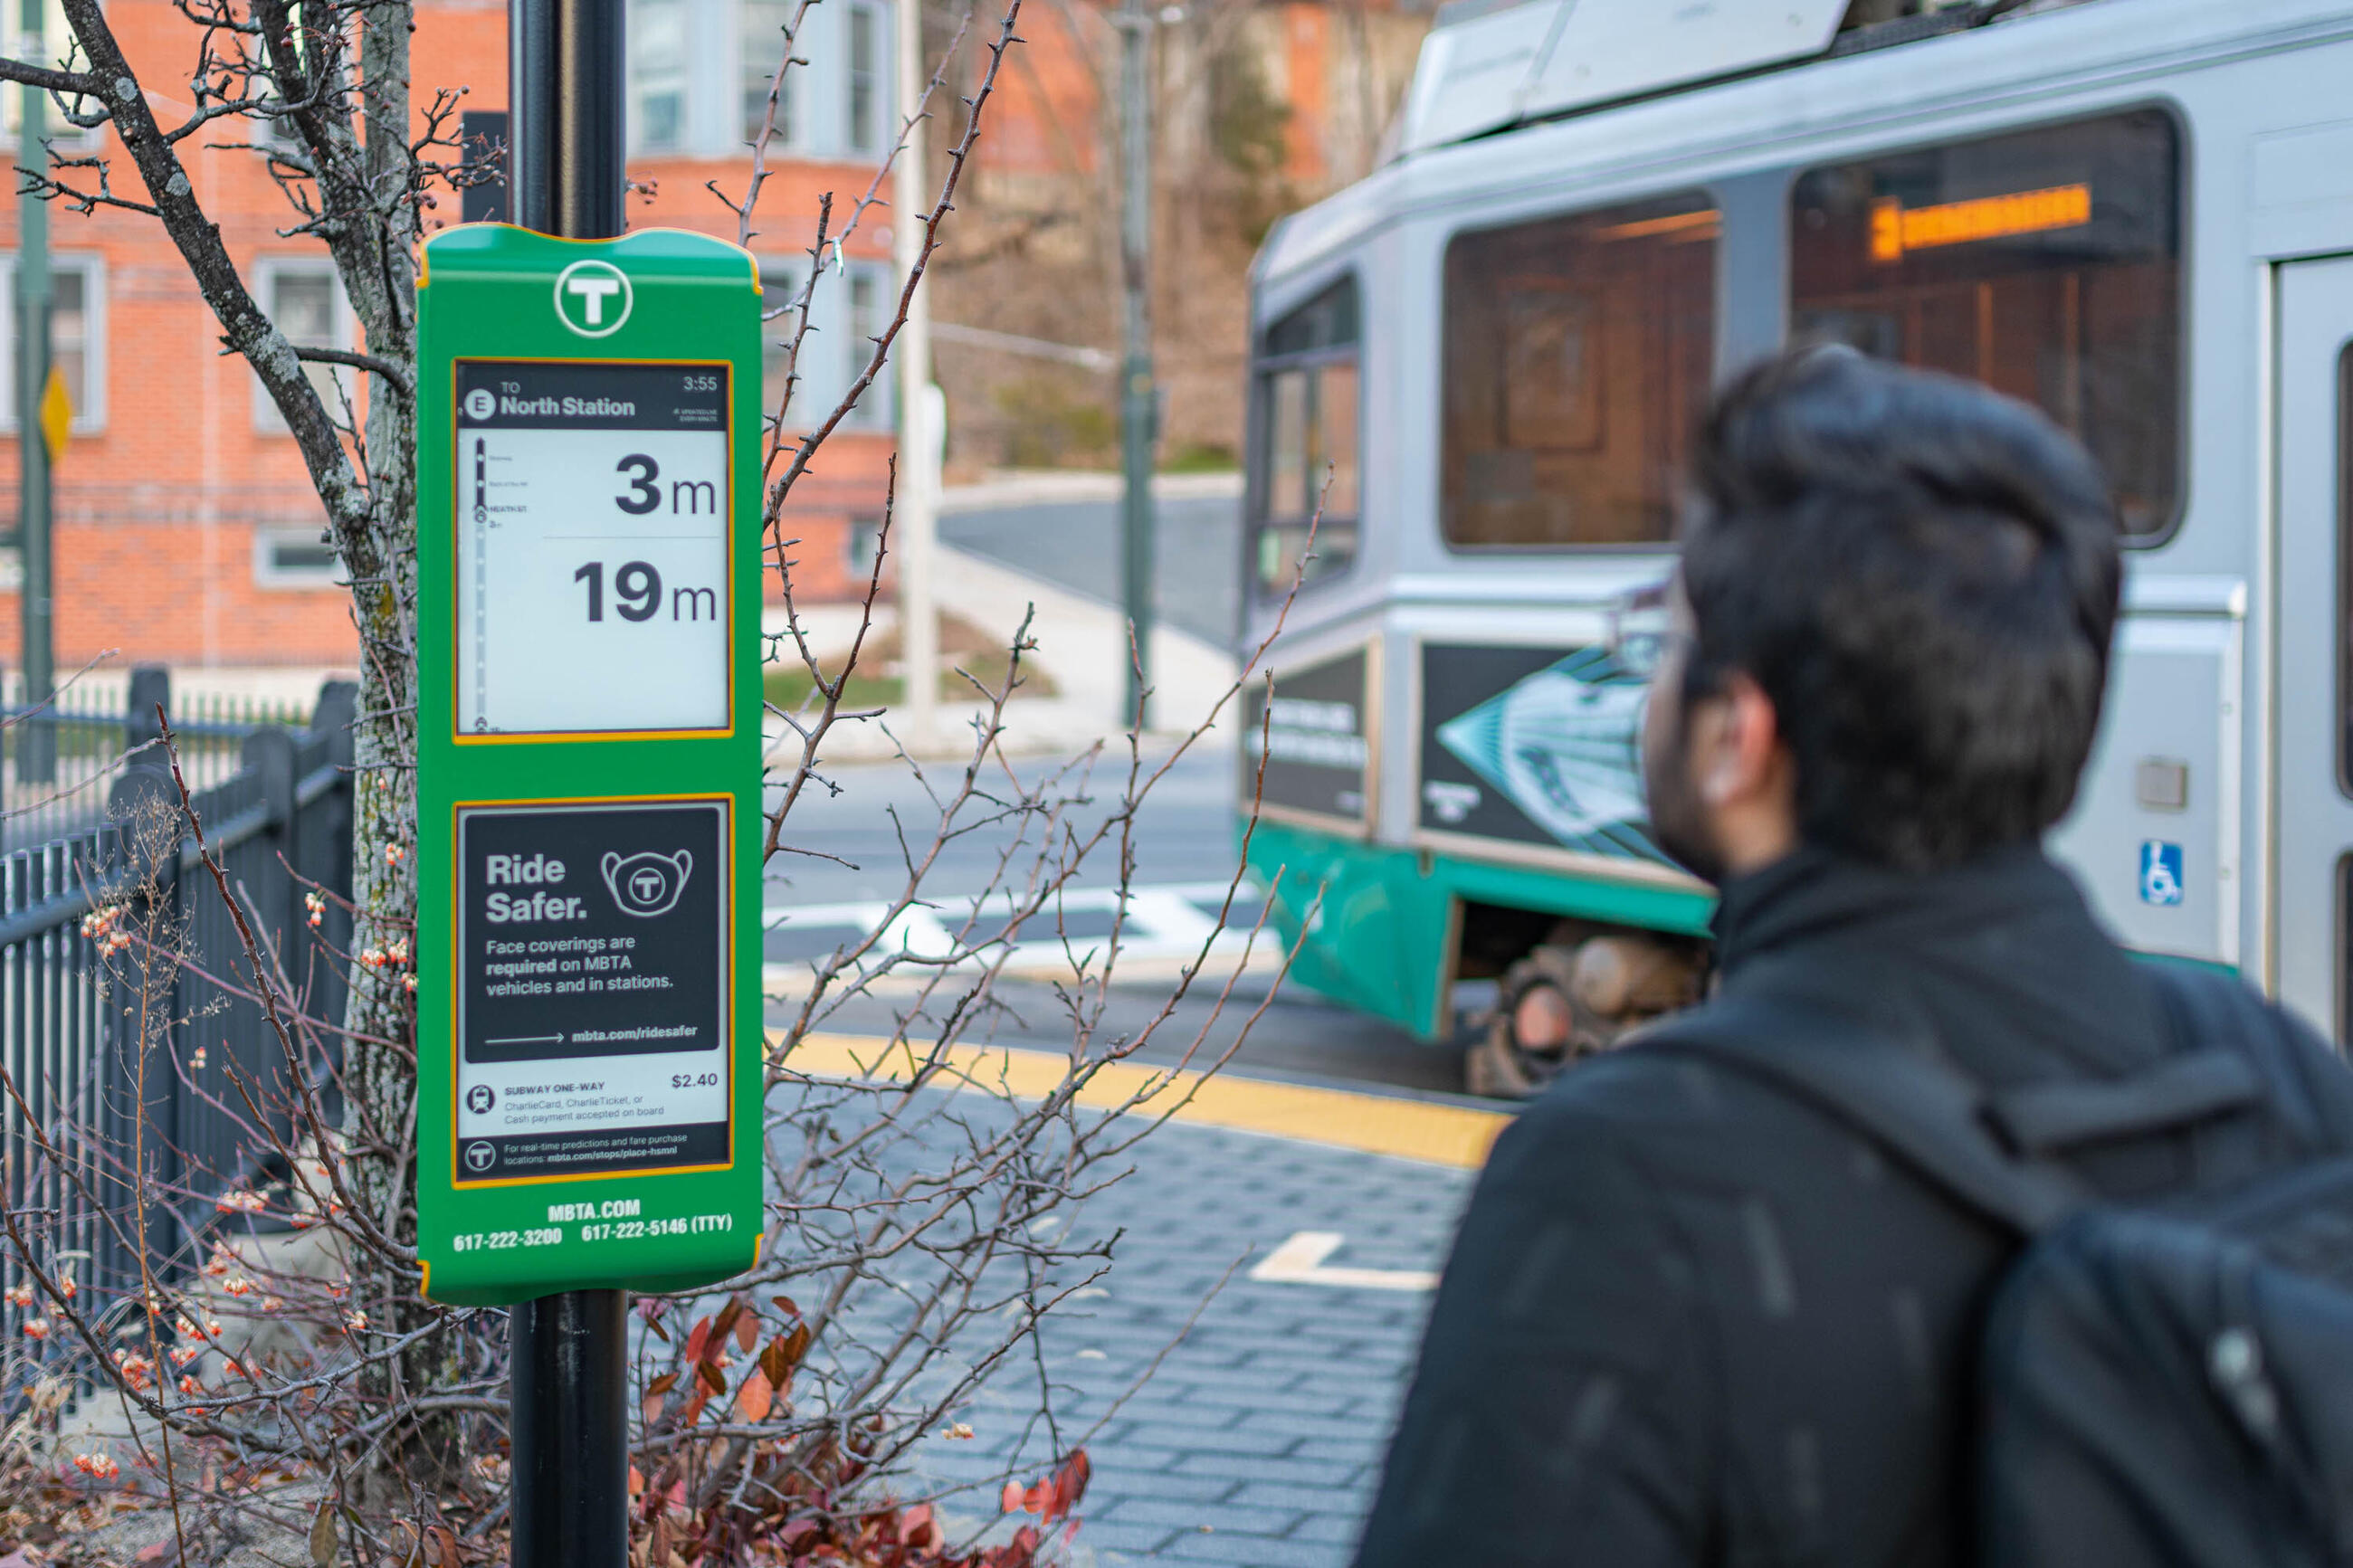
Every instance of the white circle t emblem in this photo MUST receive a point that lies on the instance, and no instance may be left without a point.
(593, 298)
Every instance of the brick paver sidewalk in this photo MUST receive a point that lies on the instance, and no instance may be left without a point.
(1259, 1437)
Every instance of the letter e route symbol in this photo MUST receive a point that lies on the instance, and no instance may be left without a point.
(593, 298)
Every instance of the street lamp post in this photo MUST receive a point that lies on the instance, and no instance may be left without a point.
(36, 755)
(1137, 400)
(915, 507)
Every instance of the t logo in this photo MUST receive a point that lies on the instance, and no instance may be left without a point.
(593, 298)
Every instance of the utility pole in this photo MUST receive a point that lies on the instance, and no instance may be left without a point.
(36, 748)
(915, 522)
(1137, 402)
(568, 1454)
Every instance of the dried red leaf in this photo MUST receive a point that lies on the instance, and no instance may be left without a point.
(711, 1377)
(747, 1331)
(1011, 1501)
(753, 1396)
(696, 1338)
(663, 1383)
(1070, 1485)
(785, 1305)
(721, 1327)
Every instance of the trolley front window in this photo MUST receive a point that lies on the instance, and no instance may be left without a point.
(1578, 356)
(2046, 263)
(1304, 389)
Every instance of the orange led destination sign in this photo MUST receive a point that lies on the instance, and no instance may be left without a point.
(1894, 229)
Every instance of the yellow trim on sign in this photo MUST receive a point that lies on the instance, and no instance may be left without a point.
(462, 737)
(456, 959)
(1437, 1133)
(425, 266)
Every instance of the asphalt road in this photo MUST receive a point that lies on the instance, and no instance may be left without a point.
(1075, 545)
(853, 844)
(853, 847)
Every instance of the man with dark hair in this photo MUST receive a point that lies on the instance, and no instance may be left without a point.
(1690, 1317)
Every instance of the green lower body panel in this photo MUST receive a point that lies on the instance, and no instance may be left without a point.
(1374, 924)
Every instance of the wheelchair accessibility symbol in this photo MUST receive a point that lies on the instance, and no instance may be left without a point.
(2160, 872)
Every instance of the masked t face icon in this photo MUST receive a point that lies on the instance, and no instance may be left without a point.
(647, 884)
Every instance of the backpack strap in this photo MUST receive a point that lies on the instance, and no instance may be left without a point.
(1995, 1151)
(2205, 1006)
(1920, 1106)
(2044, 1118)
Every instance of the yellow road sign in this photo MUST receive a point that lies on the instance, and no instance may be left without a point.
(57, 414)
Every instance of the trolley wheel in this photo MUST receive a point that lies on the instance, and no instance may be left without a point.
(1539, 1026)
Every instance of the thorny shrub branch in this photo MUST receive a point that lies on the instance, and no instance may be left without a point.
(272, 1360)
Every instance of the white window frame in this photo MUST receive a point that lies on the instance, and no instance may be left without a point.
(779, 286)
(267, 270)
(268, 574)
(57, 40)
(878, 408)
(88, 416)
(879, 76)
(693, 73)
(793, 133)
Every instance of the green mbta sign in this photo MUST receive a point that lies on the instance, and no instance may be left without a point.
(589, 763)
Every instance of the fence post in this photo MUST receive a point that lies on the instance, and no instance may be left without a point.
(269, 755)
(144, 787)
(338, 709)
(151, 687)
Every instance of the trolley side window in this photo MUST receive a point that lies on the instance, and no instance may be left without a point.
(1303, 388)
(2046, 263)
(1578, 357)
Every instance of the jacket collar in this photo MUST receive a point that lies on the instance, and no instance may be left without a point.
(1814, 894)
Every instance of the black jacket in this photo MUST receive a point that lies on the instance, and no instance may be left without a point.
(1691, 1321)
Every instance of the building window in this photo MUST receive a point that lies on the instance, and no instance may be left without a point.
(76, 336)
(658, 75)
(1304, 392)
(860, 547)
(1578, 356)
(866, 296)
(306, 303)
(865, 103)
(293, 558)
(764, 49)
(56, 49)
(780, 322)
(2046, 263)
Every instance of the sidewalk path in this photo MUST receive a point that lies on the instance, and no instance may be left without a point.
(1258, 1440)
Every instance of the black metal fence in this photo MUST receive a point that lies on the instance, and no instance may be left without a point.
(133, 1074)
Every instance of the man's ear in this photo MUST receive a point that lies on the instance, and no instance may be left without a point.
(1740, 756)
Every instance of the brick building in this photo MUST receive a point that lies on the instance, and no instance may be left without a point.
(186, 530)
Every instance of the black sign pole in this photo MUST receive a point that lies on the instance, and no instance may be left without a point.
(569, 1452)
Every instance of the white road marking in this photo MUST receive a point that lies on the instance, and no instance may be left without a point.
(1300, 1262)
(1164, 923)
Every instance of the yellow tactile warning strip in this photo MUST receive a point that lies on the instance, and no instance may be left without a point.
(1454, 1135)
